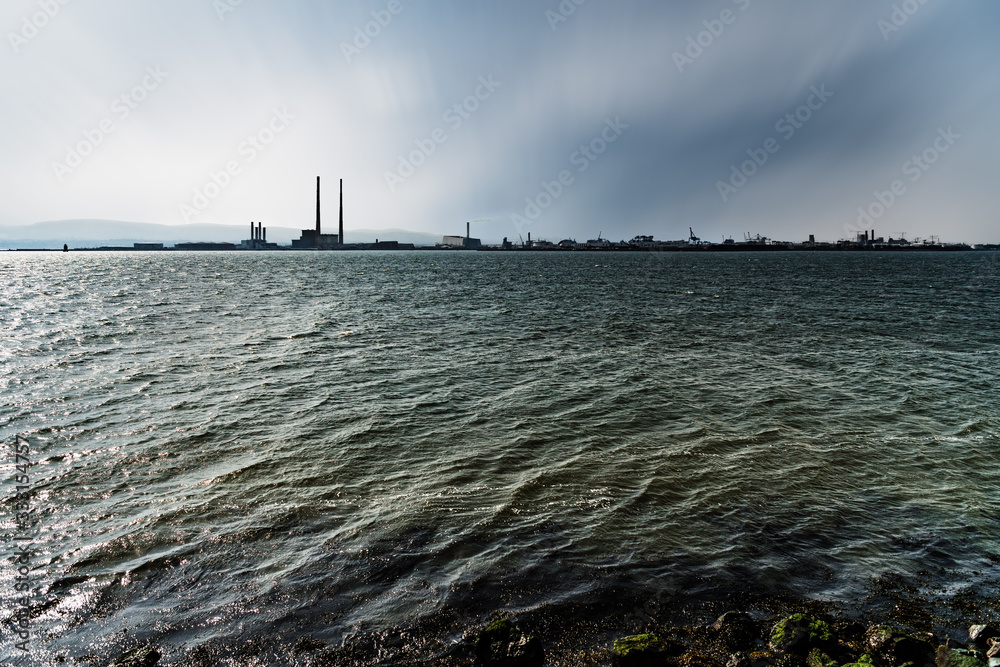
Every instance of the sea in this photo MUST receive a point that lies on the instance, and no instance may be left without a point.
(240, 457)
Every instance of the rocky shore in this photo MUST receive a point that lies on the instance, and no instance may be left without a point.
(819, 637)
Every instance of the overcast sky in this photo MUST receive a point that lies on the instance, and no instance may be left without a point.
(134, 110)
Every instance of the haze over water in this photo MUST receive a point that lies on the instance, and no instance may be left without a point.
(286, 444)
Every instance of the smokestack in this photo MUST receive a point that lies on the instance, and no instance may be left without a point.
(318, 228)
(340, 238)
(468, 234)
(264, 238)
(258, 230)
(251, 231)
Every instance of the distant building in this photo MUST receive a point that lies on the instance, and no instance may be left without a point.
(466, 241)
(147, 246)
(315, 239)
(310, 239)
(258, 239)
(205, 246)
(461, 242)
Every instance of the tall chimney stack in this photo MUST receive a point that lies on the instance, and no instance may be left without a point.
(258, 230)
(468, 232)
(251, 232)
(340, 238)
(264, 237)
(318, 228)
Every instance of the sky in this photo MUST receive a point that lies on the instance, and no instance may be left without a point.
(559, 118)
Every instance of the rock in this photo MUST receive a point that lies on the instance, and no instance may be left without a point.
(799, 633)
(736, 630)
(739, 659)
(960, 657)
(981, 634)
(894, 647)
(144, 656)
(994, 651)
(863, 661)
(695, 659)
(639, 651)
(307, 645)
(502, 644)
(817, 658)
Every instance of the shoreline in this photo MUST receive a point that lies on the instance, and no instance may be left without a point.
(584, 633)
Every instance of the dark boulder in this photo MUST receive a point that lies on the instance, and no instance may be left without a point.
(736, 631)
(892, 646)
(981, 634)
(639, 651)
(144, 656)
(502, 644)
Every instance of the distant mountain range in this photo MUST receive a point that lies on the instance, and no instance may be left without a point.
(94, 233)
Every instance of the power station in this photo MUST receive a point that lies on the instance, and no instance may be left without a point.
(315, 239)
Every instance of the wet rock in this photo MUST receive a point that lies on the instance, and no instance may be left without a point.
(994, 650)
(892, 646)
(761, 659)
(799, 633)
(307, 645)
(144, 656)
(736, 630)
(639, 651)
(739, 659)
(696, 659)
(960, 657)
(981, 634)
(864, 661)
(790, 660)
(818, 658)
(502, 644)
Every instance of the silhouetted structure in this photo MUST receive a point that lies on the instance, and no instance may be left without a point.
(258, 239)
(205, 246)
(315, 238)
(466, 242)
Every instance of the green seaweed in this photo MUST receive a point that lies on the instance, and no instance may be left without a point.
(638, 644)
(800, 630)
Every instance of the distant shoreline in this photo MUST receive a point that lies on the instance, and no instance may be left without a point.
(719, 248)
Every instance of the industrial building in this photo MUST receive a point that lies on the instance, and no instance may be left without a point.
(258, 239)
(205, 246)
(315, 239)
(466, 242)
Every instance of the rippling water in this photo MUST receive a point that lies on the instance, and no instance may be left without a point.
(239, 445)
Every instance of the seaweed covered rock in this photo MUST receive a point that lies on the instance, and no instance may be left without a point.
(502, 644)
(863, 661)
(959, 657)
(800, 633)
(144, 656)
(892, 646)
(639, 651)
(736, 630)
(819, 658)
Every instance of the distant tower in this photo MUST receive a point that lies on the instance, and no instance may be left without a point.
(341, 231)
(317, 209)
